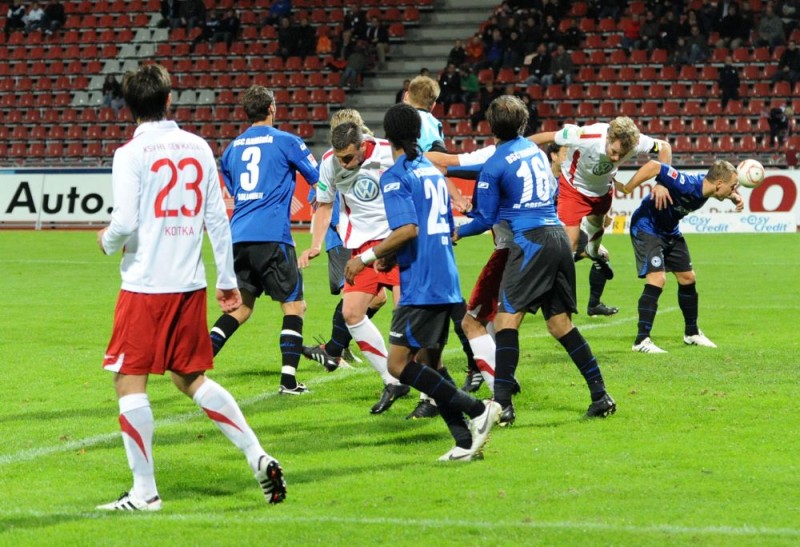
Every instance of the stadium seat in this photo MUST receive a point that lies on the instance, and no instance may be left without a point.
(585, 110)
(704, 144)
(629, 108)
(565, 110)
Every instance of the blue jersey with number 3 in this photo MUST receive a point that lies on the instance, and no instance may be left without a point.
(259, 169)
(415, 192)
(517, 185)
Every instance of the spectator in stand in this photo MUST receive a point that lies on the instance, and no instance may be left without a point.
(450, 86)
(55, 17)
(728, 82)
(788, 65)
(457, 55)
(550, 33)
(14, 17)
(531, 33)
(210, 27)
(733, 29)
(679, 54)
(191, 14)
(112, 94)
(539, 66)
(34, 19)
(650, 31)
(324, 42)
(781, 124)
(278, 9)
(533, 115)
(770, 28)
(400, 95)
(306, 37)
(470, 86)
(487, 94)
(512, 57)
(561, 68)
(475, 51)
(357, 61)
(789, 11)
(610, 8)
(229, 29)
(378, 38)
(487, 34)
(667, 37)
(698, 46)
(573, 36)
(355, 20)
(631, 32)
(495, 52)
(287, 38)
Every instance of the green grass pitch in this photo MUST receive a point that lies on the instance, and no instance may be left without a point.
(704, 448)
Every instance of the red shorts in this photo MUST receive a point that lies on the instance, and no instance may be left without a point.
(370, 280)
(573, 206)
(483, 300)
(154, 333)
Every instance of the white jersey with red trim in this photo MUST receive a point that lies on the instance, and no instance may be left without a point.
(587, 166)
(362, 217)
(166, 189)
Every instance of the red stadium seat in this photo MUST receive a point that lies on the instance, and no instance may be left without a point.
(748, 143)
(704, 144)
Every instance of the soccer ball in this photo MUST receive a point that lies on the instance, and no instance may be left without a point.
(751, 173)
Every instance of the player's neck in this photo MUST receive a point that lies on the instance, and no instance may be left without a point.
(265, 122)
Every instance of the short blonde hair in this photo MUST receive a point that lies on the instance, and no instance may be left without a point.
(349, 115)
(721, 170)
(423, 92)
(623, 129)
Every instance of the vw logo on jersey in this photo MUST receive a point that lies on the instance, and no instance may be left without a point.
(656, 261)
(602, 167)
(366, 188)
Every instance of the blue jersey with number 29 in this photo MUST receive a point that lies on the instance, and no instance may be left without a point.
(415, 192)
(517, 185)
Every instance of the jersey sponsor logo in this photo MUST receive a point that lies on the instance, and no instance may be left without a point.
(483, 185)
(366, 189)
(672, 173)
(603, 167)
(311, 159)
(322, 186)
(391, 187)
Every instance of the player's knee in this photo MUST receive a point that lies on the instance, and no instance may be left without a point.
(686, 278)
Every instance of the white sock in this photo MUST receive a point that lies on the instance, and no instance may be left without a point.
(136, 422)
(370, 340)
(595, 234)
(483, 351)
(221, 407)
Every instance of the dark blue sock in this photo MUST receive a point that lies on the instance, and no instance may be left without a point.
(581, 354)
(648, 305)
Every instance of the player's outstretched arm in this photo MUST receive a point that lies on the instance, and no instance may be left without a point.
(646, 172)
(737, 200)
(321, 220)
(545, 137)
(664, 151)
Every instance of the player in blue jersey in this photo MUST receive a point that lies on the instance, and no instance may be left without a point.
(660, 247)
(259, 169)
(517, 186)
(418, 208)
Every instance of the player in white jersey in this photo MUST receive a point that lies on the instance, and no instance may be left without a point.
(594, 154)
(352, 168)
(166, 191)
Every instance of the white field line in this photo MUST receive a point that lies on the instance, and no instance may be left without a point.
(670, 529)
(77, 444)
(527, 332)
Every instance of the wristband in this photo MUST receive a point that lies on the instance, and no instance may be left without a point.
(368, 257)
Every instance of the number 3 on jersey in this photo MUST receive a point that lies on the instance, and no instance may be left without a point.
(161, 209)
(436, 193)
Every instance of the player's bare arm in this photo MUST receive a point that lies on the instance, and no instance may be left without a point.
(737, 200)
(320, 223)
(388, 246)
(646, 172)
(664, 151)
(545, 137)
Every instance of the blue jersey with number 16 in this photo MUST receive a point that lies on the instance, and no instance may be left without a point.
(517, 185)
(415, 192)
